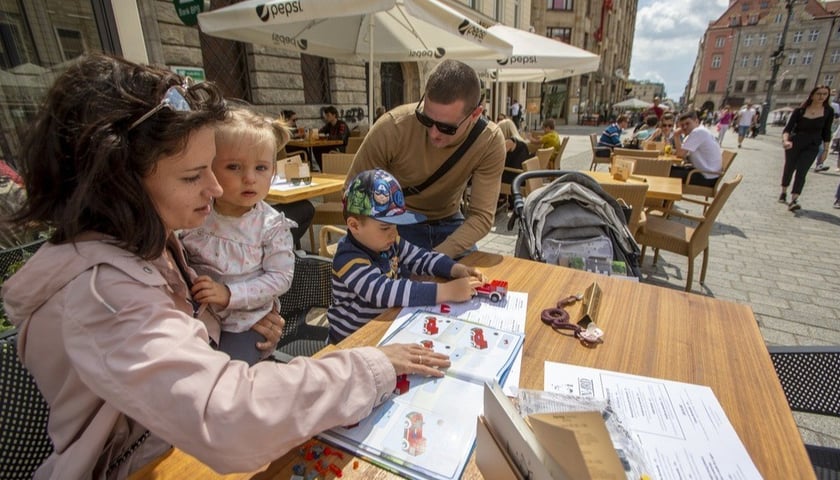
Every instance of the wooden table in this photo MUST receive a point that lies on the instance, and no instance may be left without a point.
(670, 158)
(660, 188)
(322, 183)
(649, 331)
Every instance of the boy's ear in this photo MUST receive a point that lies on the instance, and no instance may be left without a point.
(353, 224)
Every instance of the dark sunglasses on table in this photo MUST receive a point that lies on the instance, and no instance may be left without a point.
(174, 99)
(444, 128)
(304, 180)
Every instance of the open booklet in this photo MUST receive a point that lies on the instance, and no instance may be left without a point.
(429, 430)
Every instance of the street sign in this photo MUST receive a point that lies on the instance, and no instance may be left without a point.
(188, 10)
(196, 73)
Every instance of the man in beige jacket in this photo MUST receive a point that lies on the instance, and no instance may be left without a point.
(412, 142)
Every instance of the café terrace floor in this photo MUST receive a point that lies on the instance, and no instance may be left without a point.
(785, 265)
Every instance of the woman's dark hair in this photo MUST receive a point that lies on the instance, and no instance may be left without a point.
(826, 104)
(83, 163)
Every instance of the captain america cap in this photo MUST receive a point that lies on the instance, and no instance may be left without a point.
(378, 195)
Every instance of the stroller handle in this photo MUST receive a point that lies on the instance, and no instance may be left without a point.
(516, 185)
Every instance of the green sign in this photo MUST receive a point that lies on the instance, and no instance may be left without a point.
(196, 73)
(188, 10)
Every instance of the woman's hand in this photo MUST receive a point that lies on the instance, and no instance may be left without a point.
(270, 327)
(787, 145)
(413, 358)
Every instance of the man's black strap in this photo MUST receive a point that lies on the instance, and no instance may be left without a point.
(451, 161)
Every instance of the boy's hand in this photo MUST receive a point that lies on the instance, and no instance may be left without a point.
(459, 270)
(458, 290)
(205, 290)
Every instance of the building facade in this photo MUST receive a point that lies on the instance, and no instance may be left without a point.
(646, 90)
(738, 50)
(39, 37)
(604, 27)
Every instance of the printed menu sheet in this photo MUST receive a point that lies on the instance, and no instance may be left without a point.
(682, 428)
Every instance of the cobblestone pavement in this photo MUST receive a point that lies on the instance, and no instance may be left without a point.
(782, 264)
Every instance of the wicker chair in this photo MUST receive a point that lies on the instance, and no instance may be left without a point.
(661, 232)
(326, 246)
(330, 211)
(311, 288)
(633, 194)
(353, 144)
(810, 378)
(24, 442)
(596, 160)
(545, 154)
(554, 161)
(691, 192)
(635, 152)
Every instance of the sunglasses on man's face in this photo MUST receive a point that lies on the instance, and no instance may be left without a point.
(670, 125)
(444, 128)
(174, 99)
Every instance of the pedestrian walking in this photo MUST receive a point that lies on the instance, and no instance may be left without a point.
(808, 128)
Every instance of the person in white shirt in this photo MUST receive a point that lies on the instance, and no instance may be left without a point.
(821, 166)
(746, 119)
(700, 149)
(516, 113)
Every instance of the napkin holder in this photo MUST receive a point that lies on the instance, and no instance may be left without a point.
(622, 168)
(294, 168)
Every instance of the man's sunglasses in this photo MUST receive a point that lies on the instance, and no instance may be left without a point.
(667, 124)
(174, 99)
(444, 128)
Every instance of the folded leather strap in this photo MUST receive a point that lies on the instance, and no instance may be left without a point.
(451, 161)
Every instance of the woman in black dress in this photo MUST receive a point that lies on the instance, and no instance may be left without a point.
(808, 125)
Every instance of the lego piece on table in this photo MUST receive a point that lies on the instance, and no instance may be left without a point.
(299, 469)
(312, 475)
(402, 385)
(318, 450)
(444, 308)
(337, 471)
(495, 290)
(355, 464)
(338, 454)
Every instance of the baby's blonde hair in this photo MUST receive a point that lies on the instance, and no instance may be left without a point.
(246, 127)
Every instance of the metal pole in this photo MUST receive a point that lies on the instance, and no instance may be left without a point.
(778, 58)
(732, 67)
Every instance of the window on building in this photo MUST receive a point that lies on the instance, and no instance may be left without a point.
(835, 56)
(734, 21)
(785, 84)
(745, 60)
(564, 34)
(472, 4)
(745, 7)
(751, 86)
(716, 61)
(499, 11)
(791, 59)
(807, 58)
(560, 5)
(739, 86)
(778, 18)
(12, 50)
(762, 39)
(71, 43)
(752, 20)
(800, 84)
(828, 80)
(764, 4)
(719, 42)
(712, 86)
(813, 35)
(748, 40)
(778, 39)
(797, 36)
(757, 61)
(316, 79)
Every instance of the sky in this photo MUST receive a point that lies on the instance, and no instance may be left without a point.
(668, 33)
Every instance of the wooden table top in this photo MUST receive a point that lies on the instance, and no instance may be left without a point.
(322, 183)
(661, 188)
(309, 143)
(648, 331)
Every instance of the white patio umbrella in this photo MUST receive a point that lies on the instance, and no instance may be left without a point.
(388, 30)
(536, 58)
(633, 104)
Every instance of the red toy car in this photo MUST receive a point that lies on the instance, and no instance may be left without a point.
(477, 338)
(430, 326)
(413, 442)
(494, 290)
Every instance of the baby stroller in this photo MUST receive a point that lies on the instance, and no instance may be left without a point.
(573, 222)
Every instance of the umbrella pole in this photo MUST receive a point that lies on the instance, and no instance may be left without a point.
(371, 87)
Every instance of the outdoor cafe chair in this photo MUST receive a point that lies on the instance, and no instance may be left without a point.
(545, 154)
(633, 195)
(329, 212)
(810, 378)
(603, 159)
(692, 192)
(311, 289)
(660, 232)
